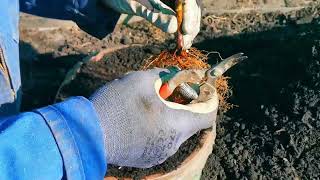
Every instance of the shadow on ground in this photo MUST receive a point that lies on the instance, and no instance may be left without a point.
(42, 75)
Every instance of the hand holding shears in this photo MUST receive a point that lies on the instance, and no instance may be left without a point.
(196, 85)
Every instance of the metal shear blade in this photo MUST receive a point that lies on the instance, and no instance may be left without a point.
(207, 88)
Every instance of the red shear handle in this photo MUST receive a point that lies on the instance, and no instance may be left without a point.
(165, 91)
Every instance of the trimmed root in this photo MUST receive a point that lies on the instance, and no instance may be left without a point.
(224, 93)
(194, 59)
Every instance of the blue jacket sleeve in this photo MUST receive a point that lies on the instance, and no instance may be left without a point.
(90, 15)
(64, 140)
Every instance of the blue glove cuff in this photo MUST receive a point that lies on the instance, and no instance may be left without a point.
(78, 134)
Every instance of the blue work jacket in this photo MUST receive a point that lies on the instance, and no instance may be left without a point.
(61, 141)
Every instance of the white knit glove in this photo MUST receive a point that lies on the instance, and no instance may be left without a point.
(163, 16)
(141, 129)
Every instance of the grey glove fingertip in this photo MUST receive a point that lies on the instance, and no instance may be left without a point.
(191, 18)
(187, 41)
(205, 123)
(171, 25)
(167, 23)
(199, 122)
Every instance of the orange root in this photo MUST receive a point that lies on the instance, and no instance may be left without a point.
(224, 93)
(194, 59)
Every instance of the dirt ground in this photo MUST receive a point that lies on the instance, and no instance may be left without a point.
(272, 134)
(274, 131)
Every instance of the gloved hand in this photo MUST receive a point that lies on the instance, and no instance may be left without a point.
(163, 16)
(141, 129)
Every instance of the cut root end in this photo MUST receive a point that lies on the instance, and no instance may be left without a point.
(224, 93)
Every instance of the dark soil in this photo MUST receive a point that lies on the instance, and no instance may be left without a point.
(93, 75)
(169, 165)
(274, 131)
(273, 134)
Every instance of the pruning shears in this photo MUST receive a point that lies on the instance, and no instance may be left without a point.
(192, 86)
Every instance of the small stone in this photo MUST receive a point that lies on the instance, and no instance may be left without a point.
(234, 145)
(240, 147)
(116, 40)
(172, 46)
(126, 40)
(236, 151)
(245, 154)
(155, 50)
